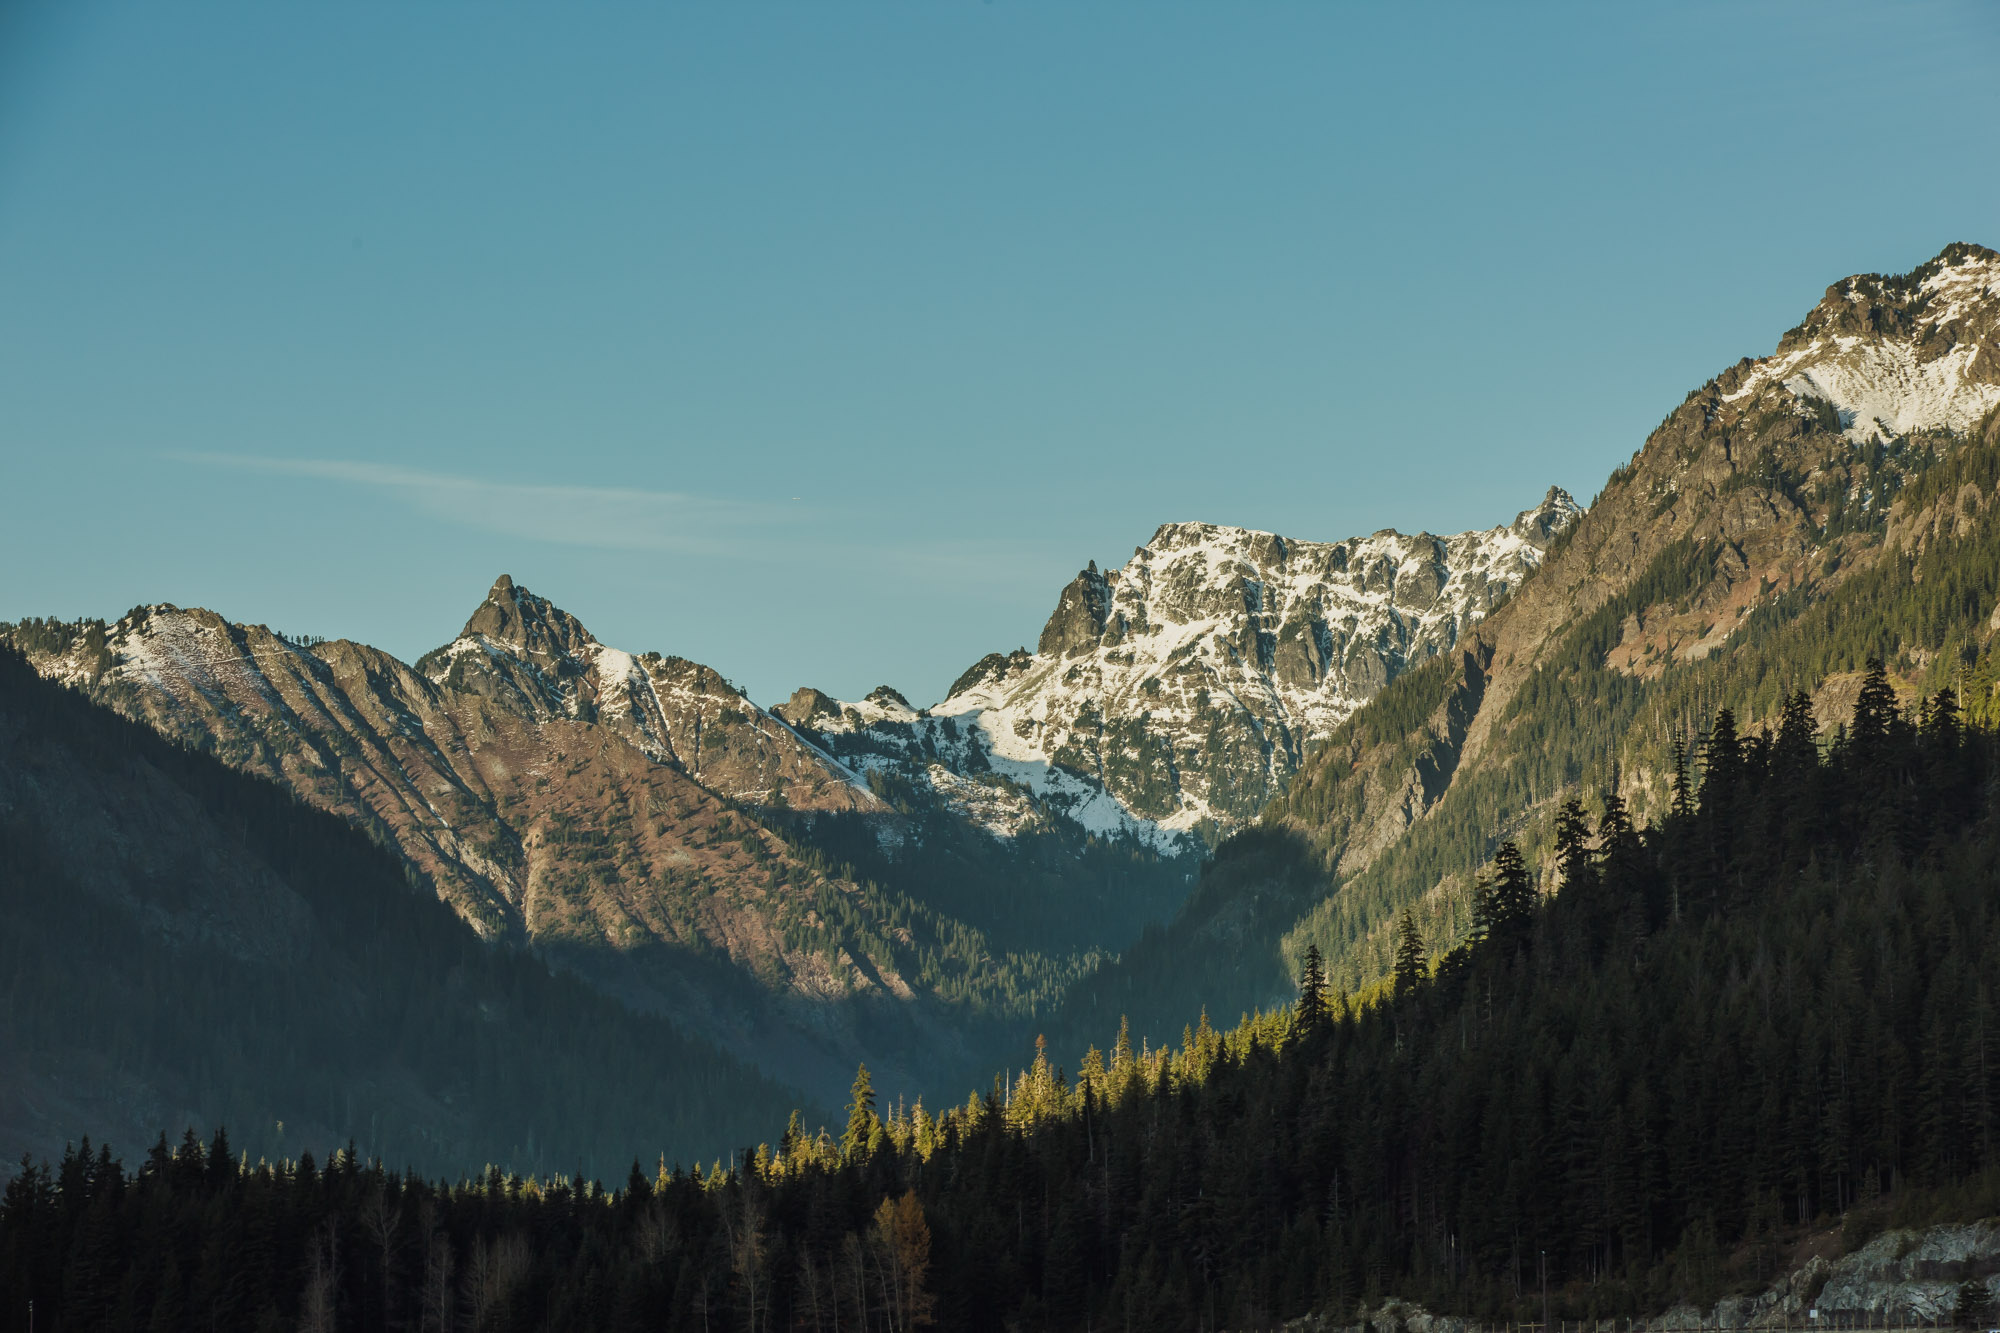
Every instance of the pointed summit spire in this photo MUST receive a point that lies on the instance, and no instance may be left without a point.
(534, 626)
(1540, 525)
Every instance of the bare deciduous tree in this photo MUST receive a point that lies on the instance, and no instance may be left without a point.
(743, 1222)
(381, 1220)
(439, 1295)
(494, 1270)
(316, 1302)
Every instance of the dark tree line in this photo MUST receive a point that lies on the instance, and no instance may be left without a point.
(1771, 1011)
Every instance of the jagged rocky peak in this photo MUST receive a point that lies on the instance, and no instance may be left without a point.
(1952, 290)
(892, 703)
(815, 711)
(519, 650)
(992, 667)
(531, 657)
(531, 625)
(809, 708)
(1079, 616)
(1546, 521)
(1883, 356)
(1180, 691)
(1191, 573)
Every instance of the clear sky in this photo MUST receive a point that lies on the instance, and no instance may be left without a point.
(824, 342)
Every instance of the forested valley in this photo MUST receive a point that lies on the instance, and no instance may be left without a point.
(1769, 1012)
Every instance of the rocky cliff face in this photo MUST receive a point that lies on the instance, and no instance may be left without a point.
(1177, 695)
(539, 662)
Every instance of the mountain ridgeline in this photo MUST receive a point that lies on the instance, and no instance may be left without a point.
(824, 884)
(1172, 698)
(634, 820)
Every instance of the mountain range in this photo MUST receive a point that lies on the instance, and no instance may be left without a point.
(1177, 695)
(811, 887)
(1232, 747)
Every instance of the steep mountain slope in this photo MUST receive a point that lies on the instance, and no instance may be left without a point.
(1790, 518)
(186, 944)
(1176, 696)
(599, 806)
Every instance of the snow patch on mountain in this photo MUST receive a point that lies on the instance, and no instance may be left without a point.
(1881, 390)
(1174, 696)
(1937, 369)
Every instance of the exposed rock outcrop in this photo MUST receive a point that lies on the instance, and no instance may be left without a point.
(1900, 1279)
(1177, 695)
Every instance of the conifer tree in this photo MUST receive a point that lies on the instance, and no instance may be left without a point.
(1621, 857)
(1308, 1015)
(1483, 909)
(1617, 842)
(1941, 718)
(1409, 971)
(861, 1118)
(1722, 763)
(1797, 749)
(1875, 711)
(1510, 898)
(1573, 860)
(1683, 805)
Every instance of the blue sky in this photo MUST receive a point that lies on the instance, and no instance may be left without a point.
(823, 343)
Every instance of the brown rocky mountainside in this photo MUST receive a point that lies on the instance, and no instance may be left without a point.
(1789, 518)
(1785, 470)
(599, 806)
(187, 945)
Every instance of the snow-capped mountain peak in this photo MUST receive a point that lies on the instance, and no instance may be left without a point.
(1178, 693)
(1893, 355)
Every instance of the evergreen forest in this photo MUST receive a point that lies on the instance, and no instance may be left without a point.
(1768, 1013)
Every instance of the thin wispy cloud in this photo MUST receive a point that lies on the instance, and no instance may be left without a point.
(609, 517)
(633, 519)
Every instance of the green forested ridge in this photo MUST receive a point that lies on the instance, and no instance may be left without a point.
(381, 1018)
(1908, 569)
(1771, 1011)
(996, 990)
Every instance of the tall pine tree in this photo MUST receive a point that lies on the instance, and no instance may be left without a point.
(1309, 1014)
(1409, 956)
(861, 1117)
